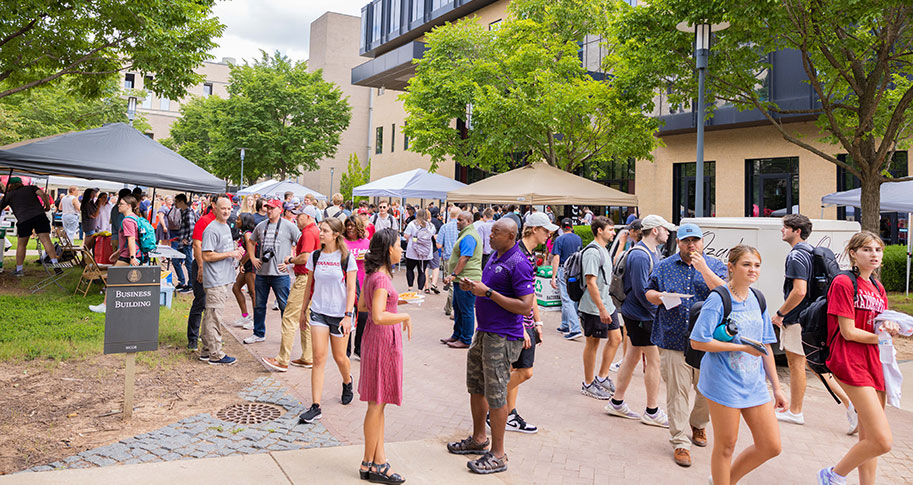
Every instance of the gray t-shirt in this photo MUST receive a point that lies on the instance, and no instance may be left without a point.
(591, 259)
(281, 243)
(217, 238)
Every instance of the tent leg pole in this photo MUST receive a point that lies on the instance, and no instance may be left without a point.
(152, 205)
(909, 252)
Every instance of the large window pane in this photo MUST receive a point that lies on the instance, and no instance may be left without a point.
(379, 140)
(772, 187)
(418, 10)
(395, 14)
(684, 190)
(378, 20)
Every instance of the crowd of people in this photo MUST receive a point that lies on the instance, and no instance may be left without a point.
(619, 292)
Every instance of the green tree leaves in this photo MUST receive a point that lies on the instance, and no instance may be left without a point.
(287, 119)
(354, 176)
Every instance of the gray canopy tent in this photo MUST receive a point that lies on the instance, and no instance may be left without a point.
(116, 152)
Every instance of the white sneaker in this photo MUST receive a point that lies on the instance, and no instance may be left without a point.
(788, 417)
(275, 305)
(615, 366)
(243, 320)
(100, 308)
(249, 325)
(253, 339)
(853, 418)
(659, 419)
(622, 410)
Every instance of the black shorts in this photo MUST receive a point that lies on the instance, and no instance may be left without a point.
(528, 356)
(639, 332)
(249, 267)
(39, 224)
(593, 326)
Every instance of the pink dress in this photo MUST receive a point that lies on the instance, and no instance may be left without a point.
(381, 378)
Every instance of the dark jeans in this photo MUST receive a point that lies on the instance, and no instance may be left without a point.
(463, 314)
(411, 266)
(262, 284)
(180, 264)
(196, 309)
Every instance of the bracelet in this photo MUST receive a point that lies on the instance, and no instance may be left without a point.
(780, 314)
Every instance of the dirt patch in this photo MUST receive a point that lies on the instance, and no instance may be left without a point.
(52, 410)
(904, 346)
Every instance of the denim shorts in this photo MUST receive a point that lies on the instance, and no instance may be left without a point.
(333, 323)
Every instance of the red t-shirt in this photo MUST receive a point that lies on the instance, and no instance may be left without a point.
(369, 229)
(201, 225)
(855, 363)
(128, 229)
(308, 242)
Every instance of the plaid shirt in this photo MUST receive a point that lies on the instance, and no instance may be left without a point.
(447, 237)
(188, 220)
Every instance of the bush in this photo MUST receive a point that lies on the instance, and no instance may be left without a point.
(585, 233)
(894, 268)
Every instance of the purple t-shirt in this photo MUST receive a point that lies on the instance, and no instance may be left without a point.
(511, 275)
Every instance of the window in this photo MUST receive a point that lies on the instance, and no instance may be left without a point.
(418, 10)
(393, 138)
(395, 14)
(379, 140)
(771, 187)
(377, 20)
(147, 101)
(436, 4)
(364, 29)
(128, 81)
(684, 190)
(165, 104)
(207, 90)
(495, 25)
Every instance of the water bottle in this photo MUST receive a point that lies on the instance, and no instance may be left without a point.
(885, 346)
(725, 331)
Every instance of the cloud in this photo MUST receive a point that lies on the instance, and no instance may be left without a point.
(282, 25)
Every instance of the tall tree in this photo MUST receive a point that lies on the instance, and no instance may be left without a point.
(354, 176)
(857, 57)
(287, 118)
(88, 41)
(54, 109)
(523, 91)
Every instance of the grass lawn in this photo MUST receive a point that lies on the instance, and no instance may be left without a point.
(55, 324)
(897, 301)
(32, 244)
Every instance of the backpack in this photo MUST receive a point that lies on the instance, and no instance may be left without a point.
(824, 270)
(174, 218)
(693, 357)
(617, 287)
(146, 239)
(422, 242)
(574, 279)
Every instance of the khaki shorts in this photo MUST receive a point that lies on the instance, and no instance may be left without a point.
(488, 366)
(791, 339)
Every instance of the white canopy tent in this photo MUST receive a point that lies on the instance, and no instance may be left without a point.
(895, 197)
(414, 184)
(274, 188)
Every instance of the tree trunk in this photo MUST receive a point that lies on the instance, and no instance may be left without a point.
(870, 198)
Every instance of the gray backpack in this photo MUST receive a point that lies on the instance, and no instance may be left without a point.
(617, 287)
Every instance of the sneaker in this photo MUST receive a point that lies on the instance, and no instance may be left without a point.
(595, 391)
(193, 347)
(184, 289)
(572, 336)
(204, 357)
(615, 366)
(516, 423)
(563, 329)
(621, 410)
(249, 325)
(241, 321)
(312, 414)
(253, 339)
(788, 417)
(853, 419)
(606, 384)
(225, 360)
(347, 393)
(826, 476)
(658, 419)
(302, 363)
(100, 308)
(356, 357)
(274, 364)
(275, 306)
(21, 272)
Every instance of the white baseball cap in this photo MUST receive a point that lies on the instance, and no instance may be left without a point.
(540, 219)
(653, 220)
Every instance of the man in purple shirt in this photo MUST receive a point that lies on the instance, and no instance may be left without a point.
(504, 295)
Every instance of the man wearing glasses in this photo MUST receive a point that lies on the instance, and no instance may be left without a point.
(383, 220)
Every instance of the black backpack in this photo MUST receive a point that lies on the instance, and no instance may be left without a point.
(574, 279)
(693, 357)
(617, 286)
(824, 270)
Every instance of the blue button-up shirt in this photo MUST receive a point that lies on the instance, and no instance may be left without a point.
(670, 327)
(447, 237)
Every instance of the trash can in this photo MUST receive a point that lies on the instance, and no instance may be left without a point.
(546, 296)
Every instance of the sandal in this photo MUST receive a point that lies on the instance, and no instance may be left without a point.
(381, 474)
(427, 291)
(488, 463)
(364, 474)
(468, 446)
(435, 290)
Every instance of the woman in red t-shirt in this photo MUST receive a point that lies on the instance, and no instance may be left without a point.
(854, 358)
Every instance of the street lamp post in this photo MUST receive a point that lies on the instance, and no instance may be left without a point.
(702, 34)
(241, 183)
(332, 169)
(131, 109)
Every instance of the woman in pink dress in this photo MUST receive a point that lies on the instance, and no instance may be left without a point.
(381, 380)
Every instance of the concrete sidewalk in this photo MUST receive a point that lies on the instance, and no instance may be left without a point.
(418, 461)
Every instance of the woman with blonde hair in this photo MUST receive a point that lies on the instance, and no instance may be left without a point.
(333, 278)
(734, 367)
(248, 204)
(854, 299)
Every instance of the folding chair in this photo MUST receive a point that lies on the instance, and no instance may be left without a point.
(91, 272)
(54, 271)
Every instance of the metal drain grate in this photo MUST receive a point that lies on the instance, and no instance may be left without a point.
(249, 413)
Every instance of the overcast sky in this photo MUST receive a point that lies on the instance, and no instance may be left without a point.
(272, 24)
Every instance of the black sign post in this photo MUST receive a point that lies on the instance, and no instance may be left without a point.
(132, 318)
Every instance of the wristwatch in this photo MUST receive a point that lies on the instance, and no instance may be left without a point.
(780, 314)
(349, 314)
(488, 293)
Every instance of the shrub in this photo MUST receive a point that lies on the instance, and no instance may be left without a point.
(894, 268)
(585, 233)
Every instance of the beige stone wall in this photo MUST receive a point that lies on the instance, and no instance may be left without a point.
(334, 49)
(729, 149)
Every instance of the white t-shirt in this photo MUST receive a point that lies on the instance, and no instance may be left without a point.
(330, 284)
(420, 244)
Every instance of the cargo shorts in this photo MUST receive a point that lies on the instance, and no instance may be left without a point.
(488, 366)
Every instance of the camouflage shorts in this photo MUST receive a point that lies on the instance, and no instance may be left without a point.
(488, 366)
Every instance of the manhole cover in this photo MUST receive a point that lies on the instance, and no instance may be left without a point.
(249, 413)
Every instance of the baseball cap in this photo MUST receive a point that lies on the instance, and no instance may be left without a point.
(306, 209)
(289, 206)
(14, 180)
(654, 220)
(434, 211)
(566, 222)
(539, 219)
(274, 203)
(689, 230)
